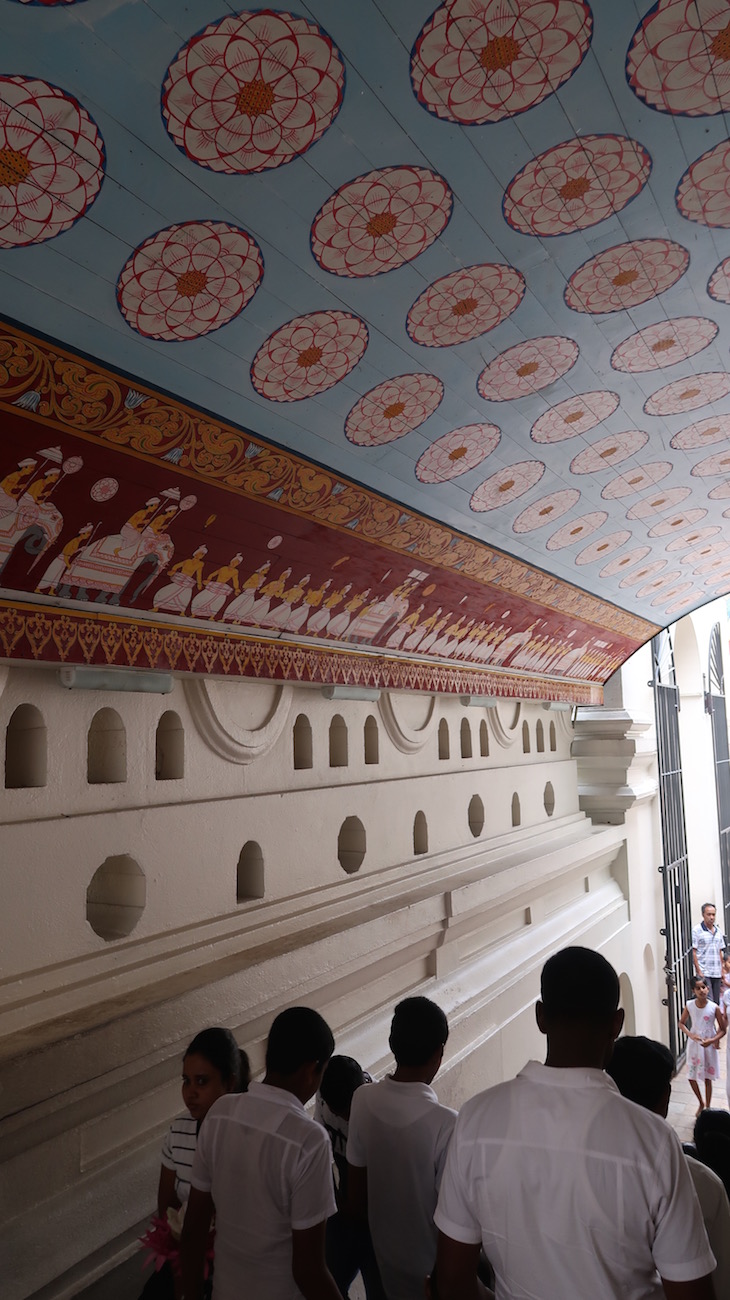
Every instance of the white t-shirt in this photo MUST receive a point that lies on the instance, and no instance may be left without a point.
(400, 1133)
(267, 1166)
(178, 1150)
(573, 1190)
(715, 1209)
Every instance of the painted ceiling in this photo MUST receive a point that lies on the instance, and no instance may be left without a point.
(363, 338)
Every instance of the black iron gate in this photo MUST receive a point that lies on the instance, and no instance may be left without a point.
(715, 706)
(675, 871)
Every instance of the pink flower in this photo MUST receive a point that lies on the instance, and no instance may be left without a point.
(576, 184)
(483, 60)
(188, 280)
(626, 275)
(716, 428)
(380, 220)
(576, 530)
(526, 368)
(507, 485)
(664, 344)
(465, 304)
(637, 479)
(393, 409)
(608, 451)
(308, 355)
(574, 416)
(688, 394)
(546, 510)
(602, 547)
(703, 194)
(52, 161)
(678, 58)
(252, 91)
(718, 285)
(457, 452)
(663, 499)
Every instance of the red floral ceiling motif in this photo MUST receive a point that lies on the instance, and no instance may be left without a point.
(457, 452)
(465, 304)
(381, 220)
(52, 161)
(507, 485)
(626, 275)
(608, 451)
(679, 58)
(546, 510)
(658, 346)
(252, 91)
(574, 416)
(688, 394)
(624, 561)
(527, 367)
(602, 547)
(636, 480)
(665, 499)
(684, 519)
(703, 194)
(393, 409)
(576, 184)
(713, 466)
(716, 428)
(718, 285)
(308, 355)
(480, 61)
(189, 280)
(577, 530)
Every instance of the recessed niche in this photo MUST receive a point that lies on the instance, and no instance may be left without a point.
(444, 745)
(338, 742)
(169, 748)
(553, 738)
(106, 749)
(476, 816)
(116, 897)
(483, 739)
(302, 737)
(420, 833)
(548, 799)
(465, 738)
(516, 814)
(371, 741)
(525, 738)
(539, 737)
(351, 845)
(26, 760)
(250, 872)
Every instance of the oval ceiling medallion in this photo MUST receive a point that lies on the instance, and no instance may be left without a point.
(660, 585)
(692, 538)
(716, 428)
(623, 562)
(308, 355)
(52, 161)
(677, 61)
(380, 221)
(688, 394)
(457, 452)
(574, 416)
(609, 451)
(507, 485)
(546, 510)
(576, 184)
(703, 194)
(602, 547)
(393, 409)
(677, 606)
(719, 493)
(662, 499)
(576, 531)
(718, 285)
(475, 63)
(707, 552)
(658, 346)
(642, 572)
(637, 479)
(626, 275)
(713, 466)
(527, 367)
(252, 91)
(189, 280)
(676, 522)
(464, 304)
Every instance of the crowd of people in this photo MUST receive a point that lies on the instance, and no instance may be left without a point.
(565, 1182)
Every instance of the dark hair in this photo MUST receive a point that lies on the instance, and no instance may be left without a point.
(579, 984)
(221, 1050)
(298, 1036)
(642, 1070)
(418, 1029)
(706, 905)
(244, 1070)
(712, 1140)
(342, 1077)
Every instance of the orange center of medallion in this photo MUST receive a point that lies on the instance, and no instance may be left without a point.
(255, 98)
(457, 453)
(191, 283)
(660, 501)
(395, 408)
(720, 45)
(707, 433)
(636, 479)
(309, 357)
(624, 278)
(529, 368)
(664, 345)
(505, 487)
(381, 224)
(610, 451)
(499, 53)
(574, 188)
(688, 393)
(546, 510)
(14, 167)
(464, 307)
(602, 547)
(574, 417)
(576, 532)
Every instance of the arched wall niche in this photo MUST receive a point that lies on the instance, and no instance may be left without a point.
(371, 742)
(26, 750)
(302, 743)
(465, 738)
(106, 749)
(250, 873)
(169, 748)
(444, 740)
(338, 741)
(420, 833)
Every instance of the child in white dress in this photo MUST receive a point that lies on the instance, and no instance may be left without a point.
(702, 1022)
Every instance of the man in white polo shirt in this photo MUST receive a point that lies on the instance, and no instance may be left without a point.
(396, 1148)
(708, 946)
(572, 1191)
(265, 1168)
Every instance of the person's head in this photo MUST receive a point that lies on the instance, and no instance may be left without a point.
(642, 1070)
(712, 1141)
(299, 1045)
(709, 912)
(578, 1007)
(211, 1068)
(699, 987)
(418, 1034)
(342, 1077)
(726, 963)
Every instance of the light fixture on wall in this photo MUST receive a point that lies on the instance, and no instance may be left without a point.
(480, 701)
(558, 706)
(116, 679)
(351, 693)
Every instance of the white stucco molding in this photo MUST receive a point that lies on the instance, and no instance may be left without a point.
(504, 721)
(405, 738)
(233, 743)
(616, 763)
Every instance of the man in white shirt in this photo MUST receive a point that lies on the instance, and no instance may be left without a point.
(708, 946)
(396, 1148)
(572, 1191)
(265, 1168)
(642, 1070)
